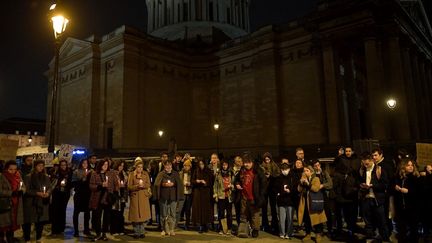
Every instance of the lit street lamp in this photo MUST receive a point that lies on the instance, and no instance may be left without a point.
(160, 133)
(59, 23)
(391, 103)
(216, 128)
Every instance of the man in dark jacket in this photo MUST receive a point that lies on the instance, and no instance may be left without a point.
(373, 187)
(390, 169)
(252, 183)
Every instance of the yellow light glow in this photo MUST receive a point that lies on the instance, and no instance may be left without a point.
(59, 24)
(216, 126)
(53, 6)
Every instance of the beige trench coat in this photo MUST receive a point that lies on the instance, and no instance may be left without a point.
(139, 205)
(316, 218)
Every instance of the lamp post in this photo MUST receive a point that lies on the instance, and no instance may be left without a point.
(216, 128)
(59, 23)
(391, 104)
(160, 133)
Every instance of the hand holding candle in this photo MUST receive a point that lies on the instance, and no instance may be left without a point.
(44, 189)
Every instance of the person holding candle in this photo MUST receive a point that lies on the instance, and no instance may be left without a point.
(185, 177)
(140, 192)
(36, 200)
(222, 193)
(11, 190)
(60, 197)
(80, 182)
(101, 186)
(117, 216)
(169, 190)
(284, 187)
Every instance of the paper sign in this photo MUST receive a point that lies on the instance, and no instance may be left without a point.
(47, 157)
(424, 154)
(66, 152)
(8, 149)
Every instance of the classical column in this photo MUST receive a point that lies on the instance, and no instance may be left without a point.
(328, 67)
(410, 92)
(375, 87)
(396, 81)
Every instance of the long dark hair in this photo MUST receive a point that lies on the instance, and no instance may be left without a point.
(100, 165)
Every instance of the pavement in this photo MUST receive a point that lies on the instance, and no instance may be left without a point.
(152, 235)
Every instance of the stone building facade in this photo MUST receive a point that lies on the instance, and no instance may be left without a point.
(319, 80)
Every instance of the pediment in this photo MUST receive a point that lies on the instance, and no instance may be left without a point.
(71, 47)
(418, 14)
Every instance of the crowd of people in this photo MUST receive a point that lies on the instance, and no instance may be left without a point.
(388, 195)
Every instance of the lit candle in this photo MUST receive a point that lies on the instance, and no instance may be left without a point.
(44, 189)
(122, 183)
(141, 182)
(63, 182)
(21, 184)
(86, 171)
(106, 178)
(169, 181)
(285, 186)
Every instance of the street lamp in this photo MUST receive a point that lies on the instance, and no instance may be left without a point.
(391, 103)
(216, 128)
(59, 23)
(160, 133)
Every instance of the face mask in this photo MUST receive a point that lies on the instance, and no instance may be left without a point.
(285, 172)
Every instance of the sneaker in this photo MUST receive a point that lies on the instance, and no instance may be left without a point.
(221, 233)
(307, 237)
(172, 233)
(163, 233)
(282, 237)
(98, 237)
(287, 237)
(255, 233)
(104, 238)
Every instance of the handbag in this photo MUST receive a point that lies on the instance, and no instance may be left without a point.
(316, 202)
(5, 204)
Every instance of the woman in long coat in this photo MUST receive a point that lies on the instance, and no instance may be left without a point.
(11, 189)
(62, 180)
(80, 181)
(140, 192)
(312, 220)
(202, 194)
(36, 200)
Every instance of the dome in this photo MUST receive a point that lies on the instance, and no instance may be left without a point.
(187, 19)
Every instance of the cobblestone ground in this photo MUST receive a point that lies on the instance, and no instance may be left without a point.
(152, 235)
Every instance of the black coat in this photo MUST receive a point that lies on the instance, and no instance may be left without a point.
(80, 182)
(407, 201)
(379, 185)
(285, 199)
(259, 184)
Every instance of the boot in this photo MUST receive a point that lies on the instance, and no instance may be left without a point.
(224, 225)
(318, 238)
(307, 238)
(243, 230)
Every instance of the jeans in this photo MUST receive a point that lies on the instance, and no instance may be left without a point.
(286, 220)
(180, 204)
(86, 220)
(187, 206)
(27, 230)
(97, 218)
(167, 209)
(270, 197)
(225, 206)
(138, 229)
(374, 217)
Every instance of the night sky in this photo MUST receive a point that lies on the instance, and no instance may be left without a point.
(27, 40)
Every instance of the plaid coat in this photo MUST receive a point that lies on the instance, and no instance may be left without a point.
(100, 195)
